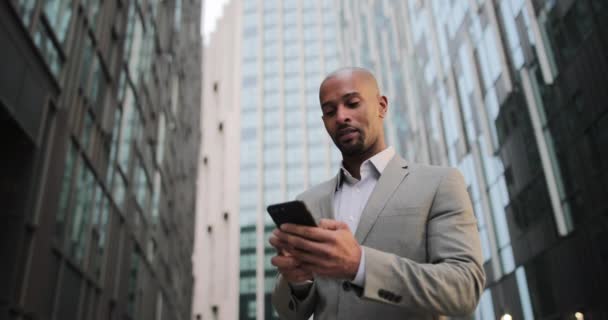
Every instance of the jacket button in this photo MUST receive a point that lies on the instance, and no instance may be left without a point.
(290, 305)
(346, 286)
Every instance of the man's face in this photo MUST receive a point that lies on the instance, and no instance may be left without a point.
(352, 112)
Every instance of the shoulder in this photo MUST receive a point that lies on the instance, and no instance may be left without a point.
(433, 171)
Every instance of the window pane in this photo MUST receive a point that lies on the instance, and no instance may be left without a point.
(64, 196)
(58, 13)
(86, 186)
(48, 48)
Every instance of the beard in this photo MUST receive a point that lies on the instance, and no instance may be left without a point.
(352, 147)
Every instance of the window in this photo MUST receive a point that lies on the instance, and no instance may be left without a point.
(290, 21)
(135, 43)
(272, 153)
(26, 9)
(318, 174)
(247, 261)
(48, 48)
(248, 197)
(103, 229)
(114, 143)
(98, 84)
(130, 129)
(248, 153)
(84, 195)
(132, 286)
(87, 131)
(94, 7)
(272, 194)
(177, 17)
(87, 61)
(295, 154)
(249, 119)
(156, 197)
(175, 95)
(312, 49)
(141, 186)
(271, 119)
(250, 69)
(119, 189)
(291, 49)
(271, 35)
(58, 13)
(249, 178)
(64, 196)
(69, 293)
(160, 143)
(272, 175)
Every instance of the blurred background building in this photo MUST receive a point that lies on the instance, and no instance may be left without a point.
(283, 148)
(288, 46)
(99, 111)
(509, 91)
(263, 67)
(216, 250)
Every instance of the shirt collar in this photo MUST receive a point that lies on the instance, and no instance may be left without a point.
(378, 162)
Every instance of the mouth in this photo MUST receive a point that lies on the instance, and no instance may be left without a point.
(347, 134)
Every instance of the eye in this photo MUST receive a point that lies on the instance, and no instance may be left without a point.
(329, 113)
(353, 104)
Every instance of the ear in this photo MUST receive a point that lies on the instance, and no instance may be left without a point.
(383, 105)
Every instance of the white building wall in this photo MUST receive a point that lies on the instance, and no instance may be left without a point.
(216, 251)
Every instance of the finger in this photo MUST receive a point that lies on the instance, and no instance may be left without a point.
(281, 246)
(333, 224)
(278, 244)
(328, 224)
(311, 259)
(296, 242)
(311, 233)
(284, 262)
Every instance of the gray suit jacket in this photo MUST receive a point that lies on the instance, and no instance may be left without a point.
(421, 245)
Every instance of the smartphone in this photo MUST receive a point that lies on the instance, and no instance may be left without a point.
(291, 212)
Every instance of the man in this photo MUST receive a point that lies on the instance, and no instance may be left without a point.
(394, 241)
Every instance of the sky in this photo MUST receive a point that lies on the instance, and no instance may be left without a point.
(212, 10)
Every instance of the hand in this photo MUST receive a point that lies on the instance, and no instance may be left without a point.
(289, 267)
(329, 250)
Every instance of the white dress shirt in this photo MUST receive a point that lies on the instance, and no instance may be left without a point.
(352, 194)
(350, 199)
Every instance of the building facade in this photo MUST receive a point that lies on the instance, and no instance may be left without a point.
(509, 92)
(100, 133)
(287, 48)
(216, 250)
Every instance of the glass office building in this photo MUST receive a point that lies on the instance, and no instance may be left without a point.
(288, 47)
(510, 92)
(99, 116)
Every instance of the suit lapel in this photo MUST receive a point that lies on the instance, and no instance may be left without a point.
(391, 177)
(326, 202)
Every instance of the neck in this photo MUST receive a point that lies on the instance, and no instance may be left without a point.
(352, 163)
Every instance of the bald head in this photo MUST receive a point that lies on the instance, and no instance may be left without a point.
(360, 74)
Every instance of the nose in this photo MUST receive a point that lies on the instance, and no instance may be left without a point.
(342, 114)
